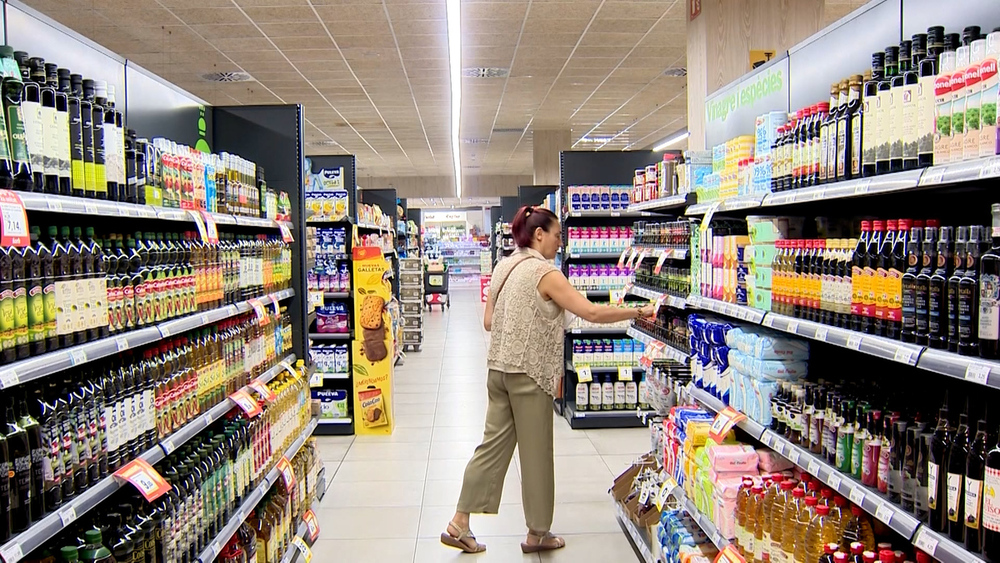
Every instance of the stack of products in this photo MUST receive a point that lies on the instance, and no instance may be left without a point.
(333, 318)
(669, 234)
(380, 240)
(607, 352)
(609, 392)
(762, 361)
(656, 180)
(578, 323)
(411, 279)
(334, 358)
(597, 277)
(331, 271)
(668, 326)
(722, 266)
(372, 215)
(586, 240)
(598, 198)
(663, 385)
(670, 280)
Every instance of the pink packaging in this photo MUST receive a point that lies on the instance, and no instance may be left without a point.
(725, 516)
(727, 483)
(772, 462)
(733, 457)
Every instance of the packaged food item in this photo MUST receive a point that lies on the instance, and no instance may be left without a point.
(373, 414)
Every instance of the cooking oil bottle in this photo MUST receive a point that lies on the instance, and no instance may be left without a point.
(858, 528)
(742, 500)
(802, 527)
(765, 523)
(828, 551)
(789, 523)
(754, 502)
(782, 503)
(840, 514)
(822, 530)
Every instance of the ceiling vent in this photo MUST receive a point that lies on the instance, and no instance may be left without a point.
(477, 141)
(485, 72)
(472, 167)
(509, 130)
(676, 71)
(227, 77)
(323, 143)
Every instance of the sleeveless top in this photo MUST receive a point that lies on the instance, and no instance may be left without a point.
(527, 333)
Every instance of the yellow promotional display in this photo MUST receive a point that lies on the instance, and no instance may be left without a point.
(372, 345)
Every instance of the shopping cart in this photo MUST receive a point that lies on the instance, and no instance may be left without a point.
(436, 285)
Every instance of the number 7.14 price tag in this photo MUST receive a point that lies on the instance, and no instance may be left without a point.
(14, 227)
(723, 423)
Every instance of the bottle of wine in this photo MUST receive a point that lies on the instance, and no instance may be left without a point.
(937, 490)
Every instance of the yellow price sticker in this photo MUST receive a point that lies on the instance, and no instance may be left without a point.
(625, 373)
(584, 374)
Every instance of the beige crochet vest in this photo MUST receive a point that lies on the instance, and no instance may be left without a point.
(528, 331)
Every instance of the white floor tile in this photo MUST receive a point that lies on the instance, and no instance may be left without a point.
(505, 549)
(381, 550)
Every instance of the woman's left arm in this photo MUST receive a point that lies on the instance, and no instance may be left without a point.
(488, 315)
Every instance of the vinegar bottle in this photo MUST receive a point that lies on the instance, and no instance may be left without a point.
(973, 501)
(957, 457)
(822, 530)
(937, 488)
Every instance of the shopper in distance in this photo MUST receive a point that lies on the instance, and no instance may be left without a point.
(529, 297)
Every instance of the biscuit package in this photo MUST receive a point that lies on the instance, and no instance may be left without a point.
(372, 347)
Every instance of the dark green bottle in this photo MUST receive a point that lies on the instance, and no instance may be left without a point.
(93, 550)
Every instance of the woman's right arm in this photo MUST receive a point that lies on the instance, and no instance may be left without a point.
(556, 287)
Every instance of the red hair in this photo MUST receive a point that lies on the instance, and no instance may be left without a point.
(527, 219)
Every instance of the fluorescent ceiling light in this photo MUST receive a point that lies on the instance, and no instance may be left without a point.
(455, 66)
(675, 138)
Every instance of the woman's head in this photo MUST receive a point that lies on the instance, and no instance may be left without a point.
(537, 228)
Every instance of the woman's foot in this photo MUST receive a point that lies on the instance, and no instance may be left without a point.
(542, 541)
(462, 538)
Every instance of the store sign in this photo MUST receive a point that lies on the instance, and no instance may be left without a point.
(732, 111)
(444, 217)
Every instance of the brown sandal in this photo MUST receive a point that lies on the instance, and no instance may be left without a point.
(461, 541)
(546, 542)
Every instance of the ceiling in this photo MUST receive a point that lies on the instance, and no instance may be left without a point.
(372, 75)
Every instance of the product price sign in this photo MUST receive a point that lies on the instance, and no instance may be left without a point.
(264, 391)
(199, 221)
(312, 524)
(621, 259)
(246, 403)
(723, 423)
(659, 303)
(659, 261)
(584, 374)
(258, 309)
(625, 373)
(617, 296)
(286, 233)
(708, 216)
(639, 259)
(729, 554)
(150, 484)
(211, 230)
(14, 225)
(287, 474)
(632, 253)
(301, 544)
(288, 367)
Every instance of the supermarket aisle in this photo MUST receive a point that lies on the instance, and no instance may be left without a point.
(389, 498)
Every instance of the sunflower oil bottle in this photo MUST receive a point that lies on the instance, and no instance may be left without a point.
(802, 528)
(743, 498)
(822, 530)
(782, 502)
(790, 523)
(755, 513)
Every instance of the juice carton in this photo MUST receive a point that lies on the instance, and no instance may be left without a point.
(973, 99)
(605, 193)
(988, 107)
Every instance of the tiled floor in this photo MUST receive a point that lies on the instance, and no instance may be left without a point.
(389, 498)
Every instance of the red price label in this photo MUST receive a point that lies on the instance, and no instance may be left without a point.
(723, 423)
(659, 261)
(310, 519)
(247, 404)
(287, 474)
(622, 259)
(211, 230)
(729, 554)
(264, 391)
(258, 309)
(659, 303)
(14, 226)
(286, 233)
(144, 478)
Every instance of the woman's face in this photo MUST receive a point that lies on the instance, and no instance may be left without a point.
(547, 242)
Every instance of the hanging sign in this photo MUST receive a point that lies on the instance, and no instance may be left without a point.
(144, 478)
(14, 228)
(246, 403)
(723, 423)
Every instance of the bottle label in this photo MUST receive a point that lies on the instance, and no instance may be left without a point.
(973, 500)
(895, 119)
(954, 495)
(869, 131)
(36, 312)
(991, 499)
(932, 485)
(18, 144)
(883, 103)
(989, 307)
(882, 479)
(49, 303)
(34, 133)
(858, 454)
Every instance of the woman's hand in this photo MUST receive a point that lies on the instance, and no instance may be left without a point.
(647, 310)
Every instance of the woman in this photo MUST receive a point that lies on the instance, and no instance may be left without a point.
(528, 296)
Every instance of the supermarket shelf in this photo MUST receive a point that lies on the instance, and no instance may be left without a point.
(215, 547)
(292, 553)
(85, 206)
(652, 295)
(942, 548)
(971, 368)
(54, 522)
(336, 295)
(577, 214)
(661, 204)
(751, 427)
(597, 330)
(741, 312)
(372, 227)
(601, 419)
(335, 420)
(639, 538)
(669, 352)
(336, 376)
(593, 255)
(877, 346)
(600, 369)
(934, 176)
(47, 364)
(330, 335)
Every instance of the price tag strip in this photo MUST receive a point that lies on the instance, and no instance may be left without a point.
(246, 403)
(150, 484)
(724, 422)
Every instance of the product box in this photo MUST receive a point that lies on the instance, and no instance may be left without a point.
(332, 402)
(372, 347)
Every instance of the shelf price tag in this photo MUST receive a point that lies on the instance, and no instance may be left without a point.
(723, 423)
(8, 378)
(286, 472)
(883, 512)
(288, 367)
(67, 515)
(854, 342)
(14, 226)
(286, 233)
(924, 541)
(834, 482)
(812, 468)
(584, 375)
(659, 303)
(150, 484)
(979, 373)
(246, 403)
(933, 175)
(301, 544)
(617, 296)
(793, 327)
(712, 209)
(642, 256)
(312, 524)
(669, 484)
(664, 254)
(626, 251)
(729, 554)
(625, 373)
(821, 333)
(902, 355)
(990, 168)
(12, 553)
(264, 391)
(857, 496)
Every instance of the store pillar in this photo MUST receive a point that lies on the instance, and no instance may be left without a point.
(546, 145)
(724, 36)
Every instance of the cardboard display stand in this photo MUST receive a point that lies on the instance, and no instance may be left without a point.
(372, 346)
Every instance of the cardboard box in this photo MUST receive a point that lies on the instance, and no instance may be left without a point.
(372, 347)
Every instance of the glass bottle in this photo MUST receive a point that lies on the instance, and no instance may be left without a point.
(937, 488)
(958, 455)
(989, 294)
(957, 271)
(22, 479)
(937, 304)
(968, 295)
(13, 91)
(885, 105)
(870, 116)
(923, 281)
(975, 469)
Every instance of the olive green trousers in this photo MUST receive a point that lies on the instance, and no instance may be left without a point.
(519, 414)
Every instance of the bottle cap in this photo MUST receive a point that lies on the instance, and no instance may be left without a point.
(840, 557)
(798, 492)
(811, 501)
(869, 556)
(787, 485)
(857, 548)
(822, 509)
(886, 556)
(831, 547)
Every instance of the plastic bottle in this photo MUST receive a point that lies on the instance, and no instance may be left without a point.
(822, 530)
(754, 502)
(887, 556)
(802, 529)
(742, 501)
(782, 502)
(758, 519)
(826, 497)
(858, 529)
(857, 552)
(790, 522)
(828, 551)
(843, 515)
(765, 523)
